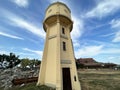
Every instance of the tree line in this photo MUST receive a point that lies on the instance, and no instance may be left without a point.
(11, 60)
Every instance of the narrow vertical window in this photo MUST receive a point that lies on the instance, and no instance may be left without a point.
(64, 46)
(63, 30)
(75, 78)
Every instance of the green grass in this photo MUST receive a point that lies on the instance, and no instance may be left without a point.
(31, 86)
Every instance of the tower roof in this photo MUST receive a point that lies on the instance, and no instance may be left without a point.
(58, 3)
(55, 10)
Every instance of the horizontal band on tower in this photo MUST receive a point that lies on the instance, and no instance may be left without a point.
(63, 36)
(53, 36)
(66, 62)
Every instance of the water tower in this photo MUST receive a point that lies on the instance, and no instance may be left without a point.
(58, 67)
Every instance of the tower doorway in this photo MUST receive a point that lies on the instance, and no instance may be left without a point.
(66, 79)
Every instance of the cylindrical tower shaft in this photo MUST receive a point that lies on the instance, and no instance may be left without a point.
(58, 68)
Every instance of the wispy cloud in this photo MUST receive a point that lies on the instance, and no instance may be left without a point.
(26, 54)
(117, 37)
(104, 8)
(10, 36)
(107, 35)
(115, 24)
(78, 26)
(78, 29)
(17, 21)
(111, 51)
(4, 52)
(88, 51)
(21, 3)
(114, 59)
(108, 59)
(34, 51)
(91, 51)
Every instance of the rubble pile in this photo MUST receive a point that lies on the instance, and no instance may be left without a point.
(7, 75)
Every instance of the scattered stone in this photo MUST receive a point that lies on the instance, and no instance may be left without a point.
(7, 75)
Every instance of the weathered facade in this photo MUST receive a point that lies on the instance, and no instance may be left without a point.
(58, 67)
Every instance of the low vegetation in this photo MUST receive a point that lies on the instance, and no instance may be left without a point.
(31, 86)
(99, 79)
(90, 79)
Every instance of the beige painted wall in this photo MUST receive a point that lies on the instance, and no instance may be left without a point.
(51, 62)
(52, 30)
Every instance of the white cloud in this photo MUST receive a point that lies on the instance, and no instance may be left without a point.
(88, 51)
(10, 36)
(76, 44)
(117, 37)
(109, 59)
(114, 59)
(34, 51)
(21, 3)
(97, 51)
(111, 51)
(78, 27)
(26, 54)
(116, 25)
(18, 21)
(104, 8)
(107, 35)
(4, 52)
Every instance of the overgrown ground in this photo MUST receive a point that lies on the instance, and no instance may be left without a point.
(31, 86)
(90, 80)
(99, 79)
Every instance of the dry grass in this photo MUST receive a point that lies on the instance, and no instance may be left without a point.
(89, 79)
(99, 79)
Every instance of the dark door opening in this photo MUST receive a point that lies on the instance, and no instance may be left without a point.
(66, 79)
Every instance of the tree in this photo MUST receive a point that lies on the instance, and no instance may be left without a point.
(25, 62)
(12, 59)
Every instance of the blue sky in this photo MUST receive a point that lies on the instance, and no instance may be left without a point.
(95, 34)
